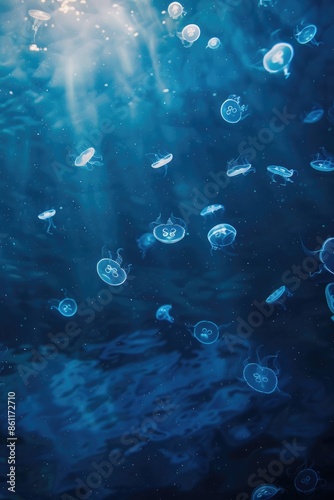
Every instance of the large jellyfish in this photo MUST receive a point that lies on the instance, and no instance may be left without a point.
(110, 270)
(325, 255)
(88, 159)
(39, 16)
(306, 35)
(173, 231)
(221, 236)
(285, 173)
(278, 58)
(47, 216)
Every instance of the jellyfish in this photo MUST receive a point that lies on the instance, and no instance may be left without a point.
(173, 231)
(329, 293)
(285, 173)
(232, 111)
(111, 272)
(314, 115)
(278, 58)
(212, 209)
(162, 161)
(214, 43)
(306, 35)
(191, 33)
(279, 296)
(221, 236)
(265, 492)
(306, 481)
(88, 159)
(266, 3)
(145, 242)
(162, 313)
(324, 161)
(206, 332)
(47, 216)
(39, 16)
(238, 167)
(67, 307)
(325, 254)
(175, 10)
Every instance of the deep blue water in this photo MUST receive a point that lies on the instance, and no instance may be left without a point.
(168, 416)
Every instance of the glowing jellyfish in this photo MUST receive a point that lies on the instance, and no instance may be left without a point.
(214, 43)
(306, 35)
(324, 161)
(306, 481)
(162, 313)
(47, 216)
(39, 16)
(145, 242)
(111, 272)
(191, 33)
(231, 110)
(221, 236)
(67, 307)
(212, 209)
(325, 255)
(240, 166)
(329, 292)
(278, 171)
(314, 115)
(279, 296)
(266, 3)
(173, 231)
(278, 58)
(162, 161)
(259, 376)
(206, 332)
(88, 159)
(175, 10)
(265, 492)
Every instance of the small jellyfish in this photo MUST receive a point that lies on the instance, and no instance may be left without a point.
(266, 3)
(47, 216)
(145, 242)
(221, 236)
(88, 159)
(231, 110)
(306, 35)
(173, 231)
(238, 167)
(214, 43)
(285, 173)
(175, 10)
(206, 332)
(212, 209)
(279, 296)
(306, 481)
(314, 115)
(67, 307)
(325, 254)
(324, 161)
(111, 272)
(191, 33)
(162, 161)
(162, 313)
(329, 292)
(278, 58)
(39, 16)
(265, 492)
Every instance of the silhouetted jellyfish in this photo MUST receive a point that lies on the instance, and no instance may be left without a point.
(47, 216)
(206, 332)
(162, 313)
(111, 272)
(221, 236)
(279, 296)
(329, 292)
(324, 161)
(88, 159)
(214, 43)
(306, 35)
(145, 242)
(306, 481)
(325, 255)
(175, 10)
(265, 492)
(278, 58)
(232, 111)
(285, 173)
(191, 33)
(39, 16)
(173, 231)
(240, 166)
(67, 307)
(211, 209)
(314, 115)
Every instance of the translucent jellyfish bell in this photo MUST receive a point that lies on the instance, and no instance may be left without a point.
(162, 313)
(67, 307)
(329, 292)
(191, 33)
(173, 231)
(175, 10)
(283, 172)
(39, 16)
(206, 332)
(212, 209)
(110, 270)
(47, 216)
(214, 43)
(265, 492)
(239, 166)
(279, 296)
(162, 161)
(145, 242)
(314, 115)
(306, 481)
(231, 110)
(221, 236)
(325, 255)
(324, 161)
(278, 58)
(306, 35)
(88, 159)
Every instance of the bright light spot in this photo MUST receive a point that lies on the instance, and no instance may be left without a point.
(165, 91)
(136, 34)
